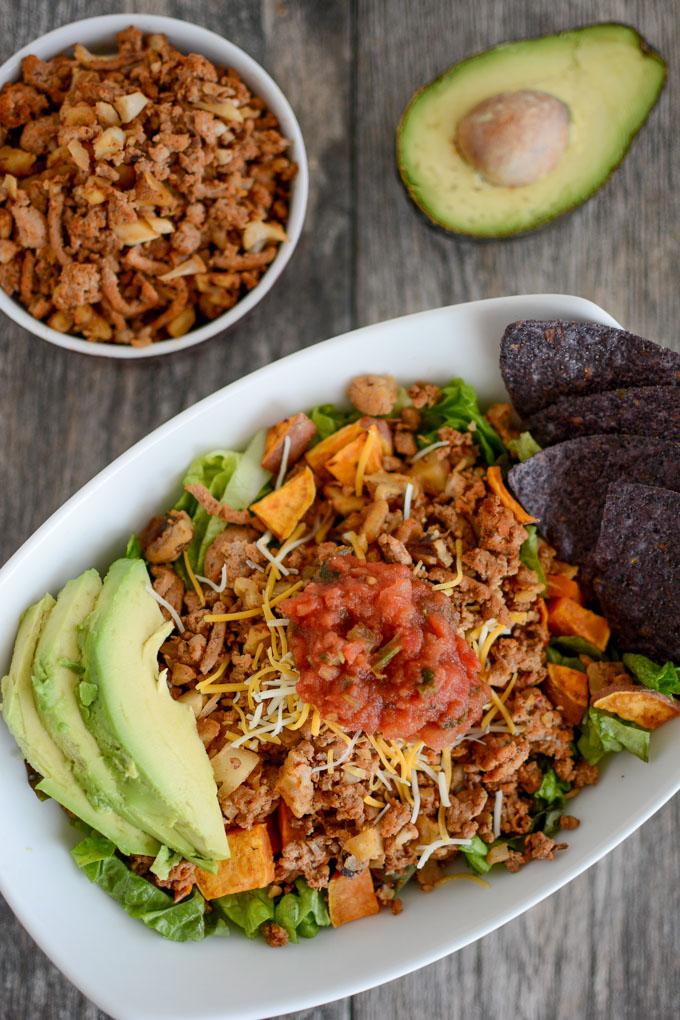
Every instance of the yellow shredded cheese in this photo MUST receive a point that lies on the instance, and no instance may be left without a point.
(503, 698)
(373, 802)
(455, 581)
(192, 577)
(316, 723)
(372, 438)
(503, 710)
(212, 677)
(301, 719)
(461, 874)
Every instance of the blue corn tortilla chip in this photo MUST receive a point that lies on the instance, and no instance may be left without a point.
(565, 486)
(637, 569)
(641, 411)
(542, 361)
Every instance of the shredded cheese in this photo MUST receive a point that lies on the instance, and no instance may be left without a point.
(503, 710)
(219, 588)
(357, 542)
(375, 803)
(428, 449)
(461, 874)
(408, 497)
(372, 438)
(206, 681)
(166, 605)
(455, 581)
(192, 577)
(429, 848)
(284, 462)
(504, 697)
(415, 790)
(497, 809)
(343, 757)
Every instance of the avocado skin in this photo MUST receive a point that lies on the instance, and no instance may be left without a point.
(150, 740)
(55, 688)
(38, 748)
(543, 221)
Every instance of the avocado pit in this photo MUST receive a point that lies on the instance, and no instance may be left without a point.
(514, 138)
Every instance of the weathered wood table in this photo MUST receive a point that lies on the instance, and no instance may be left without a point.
(607, 946)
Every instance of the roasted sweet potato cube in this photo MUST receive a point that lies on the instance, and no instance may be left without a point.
(290, 828)
(605, 674)
(351, 898)
(365, 449)
(568, 618)
(561, 586)
(299, 429)
(284, 508)
(251, 865)
(649, 709)
(568, 690)
(323, 451)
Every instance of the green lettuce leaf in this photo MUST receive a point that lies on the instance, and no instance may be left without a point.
(329, 419)
(524, 446)
(302, 912)
(249, 910)
(665, 679)
(187, 921)
(528, 552)
(475, 855)
(552, 789)
(458, 408)
(602, 733)
(556, 656)
(133, 549)
(214, 471)
(578, 645)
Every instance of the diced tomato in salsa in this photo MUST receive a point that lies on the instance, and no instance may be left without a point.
(377, 650)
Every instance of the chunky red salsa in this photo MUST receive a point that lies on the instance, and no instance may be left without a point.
(377, 650)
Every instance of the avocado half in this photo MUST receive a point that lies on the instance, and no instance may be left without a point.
(607, 75)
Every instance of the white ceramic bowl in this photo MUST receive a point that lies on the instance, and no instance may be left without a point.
(99, 34)
(131, 972)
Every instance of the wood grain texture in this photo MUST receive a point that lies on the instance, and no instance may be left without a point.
(605, 947)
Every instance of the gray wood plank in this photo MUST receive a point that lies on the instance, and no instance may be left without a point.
(63, 416)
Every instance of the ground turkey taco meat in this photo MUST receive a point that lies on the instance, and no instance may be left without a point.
(142, 193)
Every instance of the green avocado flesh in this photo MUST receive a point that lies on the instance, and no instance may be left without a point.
(38, 748)
(150, 740)
(605, 74)
(56, 675)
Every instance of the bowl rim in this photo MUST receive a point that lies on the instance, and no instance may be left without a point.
(65, 36)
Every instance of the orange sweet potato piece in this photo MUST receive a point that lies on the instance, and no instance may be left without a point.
(284, 508)
(343, 465)
(251, 865)
(299, 429)
(327, 448)
(497, 486)
(605, 674)
(568, 569)
(542, 613)
(561, 586)
(649, 709)
(568, 618)
(290, 829)
(351, 898)
(568, 690)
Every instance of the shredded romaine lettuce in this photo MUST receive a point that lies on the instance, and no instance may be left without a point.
(571, 661)
(475, 855)
(602, 733)
(524, 446)
(164, 862)
(578, 645)
(663, 678)
(328, 419)
(458, 408)
(528, 552)
(302, 912)
(187, 921)
(248, 910)
(133, 549)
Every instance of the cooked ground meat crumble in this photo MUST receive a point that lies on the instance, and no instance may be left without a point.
(144, 192)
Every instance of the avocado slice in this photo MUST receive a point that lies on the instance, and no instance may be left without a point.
(56, 674)
(150, 740)
(38, 748)
(607, 77)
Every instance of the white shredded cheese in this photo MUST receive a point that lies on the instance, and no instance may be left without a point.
(210, 706)
(278, 622)
(343, 757)
(284, 462)
(428, 449)
(166, 605)
(497, 808)
(443, 790)
(254, 566)
(262, 544)
(408, 496)
(219, 588)
(382, 813)
(430, 848)
(415, 791)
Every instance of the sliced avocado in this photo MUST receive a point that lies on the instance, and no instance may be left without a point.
(150, 740)
(606, 76)
(56, 675)
(38, 748)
